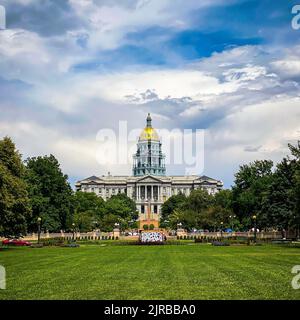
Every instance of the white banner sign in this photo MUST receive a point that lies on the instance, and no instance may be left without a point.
(151, 237)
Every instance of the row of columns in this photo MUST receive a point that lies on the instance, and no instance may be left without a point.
(151, 195)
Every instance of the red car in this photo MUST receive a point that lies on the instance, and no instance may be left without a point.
(16, 242)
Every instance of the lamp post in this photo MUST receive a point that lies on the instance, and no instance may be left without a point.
(222, 229)
(231, 221)
(254, 220)
(39, 219)
(73, 226)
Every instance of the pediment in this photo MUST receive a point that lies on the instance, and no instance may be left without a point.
(205, 179)
(92, 180)
(149, 179)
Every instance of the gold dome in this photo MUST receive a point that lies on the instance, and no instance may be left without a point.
(149, 134)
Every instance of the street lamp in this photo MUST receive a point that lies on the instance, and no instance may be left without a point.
(179, 225)
(222, 229)
(39, 219)
(254, 219)
(231, 221)
(73, 225)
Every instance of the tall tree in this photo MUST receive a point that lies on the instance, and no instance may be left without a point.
(251, 186)
(88, 210)
(89, 201)
(198, 201)
(173, 203)
(189, 211)
(14, 201)
(50, 194)
(119, 209)
(224, 199)
(281, 205)
(295, 151)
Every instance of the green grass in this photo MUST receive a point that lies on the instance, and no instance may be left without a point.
(150, 272)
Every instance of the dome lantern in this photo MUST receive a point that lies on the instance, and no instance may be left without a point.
(149, 121)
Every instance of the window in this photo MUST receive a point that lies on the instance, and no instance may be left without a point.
(142, 209)
(155, 209)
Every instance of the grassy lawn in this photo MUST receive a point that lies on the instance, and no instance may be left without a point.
(150, 272)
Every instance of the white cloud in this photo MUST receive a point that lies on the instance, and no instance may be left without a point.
(288, 67)
(246, 97)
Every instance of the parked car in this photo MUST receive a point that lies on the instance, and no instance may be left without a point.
(16, 242)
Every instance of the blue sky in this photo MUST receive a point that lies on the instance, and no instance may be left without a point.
(69, 68)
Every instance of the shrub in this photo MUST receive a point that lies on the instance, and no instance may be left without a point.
(52, 241)
(71, 245)
(37, 245)
(145, 227)
(151, 226)
(220, 243)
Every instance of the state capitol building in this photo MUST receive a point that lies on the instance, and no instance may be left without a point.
(149, 186)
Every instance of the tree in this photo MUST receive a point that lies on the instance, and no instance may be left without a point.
(50, 194)
(151, 227)
(88, 201)
(251, 186)
(14, 201)
(212, 217)
(281, 205)
(84, 201)
(295, 151)
(198, 201)
(88, 210)
(173, 203)
(84, 221)
(189, 210)
(107, 223)
(224, 199)
(122, 209)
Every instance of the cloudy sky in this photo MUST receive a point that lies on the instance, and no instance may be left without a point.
(69, 68)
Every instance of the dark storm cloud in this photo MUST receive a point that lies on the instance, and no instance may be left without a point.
(45, 17)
